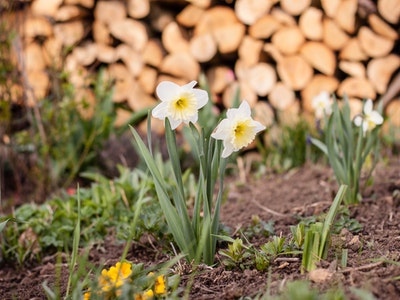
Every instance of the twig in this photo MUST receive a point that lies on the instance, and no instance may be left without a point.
(361, 268)
(273, 212)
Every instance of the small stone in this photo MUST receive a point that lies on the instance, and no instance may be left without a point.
(320, 275)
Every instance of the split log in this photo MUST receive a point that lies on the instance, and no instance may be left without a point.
(353, 51)
(138, 99)
(288, 40)
(264, 27)
(356, 87)
(153, 53)
(373, 44)
(295, 7)
(70, 13)
(122, 81)
(310, 23)
(181, 65)
(393, 113)
(229, 38)
(295, 71)
(131, 58)
(101, 33)
(190, 15)
(148, 79)
(281, 96)
(381, 27)
(245, 93)
(290, 117)
(261, 78)
(249, 51)
(353, 68)
(320, 56)
(380, 70)
(319, 83)
(201, 3)
(173, 39)
(389, 10)
(86, 54)
(131, 32)
(219, 77)
(283, 17)
(333, 36)
(249, 11)
(37, 27)
(345, 15)
(33, 57)
(52, 52)
(263, 113)
(330, 7)
(109, 12)
(84, 3)
(138, 9)
(203, 47)
(106, 54)
(45, 7)
(70, 33)
(38, 86)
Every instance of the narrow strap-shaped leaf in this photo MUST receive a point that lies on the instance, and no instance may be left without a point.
(182, 231)
(330, 217)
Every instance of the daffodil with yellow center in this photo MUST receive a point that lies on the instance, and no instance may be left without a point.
(180, 104)
(369, 119)
(238, 130)
(322, 105)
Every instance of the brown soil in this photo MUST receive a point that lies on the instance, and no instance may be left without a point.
(303, 192)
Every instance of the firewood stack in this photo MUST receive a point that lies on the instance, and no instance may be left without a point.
(279, 53)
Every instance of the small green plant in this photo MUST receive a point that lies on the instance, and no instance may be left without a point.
(317, 236)
(107, 207)
(347, 147)
(195, 232)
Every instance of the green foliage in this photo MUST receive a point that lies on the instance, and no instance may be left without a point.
(288, 147)
(106, 207)
(194, 234)
(347, 149)
(317, 236)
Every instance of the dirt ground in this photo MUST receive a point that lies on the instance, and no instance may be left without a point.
(373, 253)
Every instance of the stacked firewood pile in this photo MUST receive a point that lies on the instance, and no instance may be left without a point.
(279, 53)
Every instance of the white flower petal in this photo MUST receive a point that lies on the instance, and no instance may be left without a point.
(376, 117)
(189, 86)
(358, 121)
(228, 149)
(368, 107)
(160, 111)
(201, 96)
(174, 123)
(167, 90)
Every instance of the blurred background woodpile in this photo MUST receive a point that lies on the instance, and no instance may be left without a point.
(279, 53)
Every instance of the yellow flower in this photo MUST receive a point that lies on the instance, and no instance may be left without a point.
(237, 130)
(115, 276)
(147, 295)
(159, 287)
(179, 103)
(86, 296)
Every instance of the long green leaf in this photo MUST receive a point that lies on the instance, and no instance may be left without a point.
(181, 229)
(327, 227)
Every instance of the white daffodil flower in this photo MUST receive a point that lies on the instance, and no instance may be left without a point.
(322, 105)
(237, 130)
(179, 103)
(369, 119)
